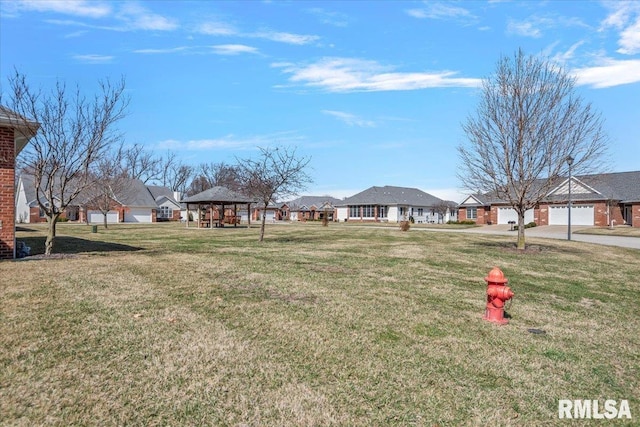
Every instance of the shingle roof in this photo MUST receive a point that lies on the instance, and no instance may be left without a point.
(390, 195)
(135, 193)
(158, 192)
(218, 195)
(305, 202)
(622, 186)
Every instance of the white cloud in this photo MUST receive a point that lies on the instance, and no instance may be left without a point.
(232, 142)
(90, 9)
(357, 75)
(289, 38)
(630, 39)
(443, 11)
(330, 18)
(534, 25)
(523, 28)
(216, 28)
(93, 59)
(233, 49)
(350, 119)
(137, 17)
(609, 73)
(162, 51)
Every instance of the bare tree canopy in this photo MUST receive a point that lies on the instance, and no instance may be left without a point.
(215, 174)
(528, 122)
(276, 173)
(141, 164)
(75, 131)
(108, 178)
(174, 173)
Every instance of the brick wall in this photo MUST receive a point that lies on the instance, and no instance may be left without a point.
(635, 215)
(7, 193)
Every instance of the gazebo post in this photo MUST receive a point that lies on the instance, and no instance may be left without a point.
(235, 215)
(187, 215)
(199, 219)
(248, 215)
(221, 219)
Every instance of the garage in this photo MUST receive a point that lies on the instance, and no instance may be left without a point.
(580, 215)
(509, 214)
(137, 215)
(97, 217)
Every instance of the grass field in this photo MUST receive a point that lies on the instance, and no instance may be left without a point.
(163, 325)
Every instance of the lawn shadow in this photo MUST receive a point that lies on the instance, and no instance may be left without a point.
(74, 245)
(531, 248)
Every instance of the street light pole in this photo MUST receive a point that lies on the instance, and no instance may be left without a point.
(569, 162)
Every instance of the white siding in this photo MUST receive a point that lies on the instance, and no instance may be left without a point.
(22, 208)
(97, 217)
(509, 214)
(580, 215)
(138, 215)
(393, 215)
(343, 213)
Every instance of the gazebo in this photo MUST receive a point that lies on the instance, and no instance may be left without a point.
(209, 200)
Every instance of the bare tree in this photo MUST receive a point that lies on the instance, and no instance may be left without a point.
(175, 174)
(221, 174)
(141, 164)
(442, 208)
(276, 173)
(108, 179)
(74, 133)
(528, 122)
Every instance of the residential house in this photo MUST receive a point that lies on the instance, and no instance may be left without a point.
(391, 204)
(15, 133)
(133, 202)
(596, 200)
(310, 208)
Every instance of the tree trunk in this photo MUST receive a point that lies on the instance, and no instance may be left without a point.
(521, 244)
(105, 219)
(51, 234)
(264, 221)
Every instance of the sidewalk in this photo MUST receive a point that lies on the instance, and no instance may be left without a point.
(559, 232)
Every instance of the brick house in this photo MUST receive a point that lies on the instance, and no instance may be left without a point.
(310, 208)
(15, 132)
(134, 202)
(596, 200)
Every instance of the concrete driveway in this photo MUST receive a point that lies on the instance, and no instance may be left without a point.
(560, 232)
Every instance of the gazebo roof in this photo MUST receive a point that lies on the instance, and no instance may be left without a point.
(218, 195)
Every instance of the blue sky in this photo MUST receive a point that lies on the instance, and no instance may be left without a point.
(374, 92)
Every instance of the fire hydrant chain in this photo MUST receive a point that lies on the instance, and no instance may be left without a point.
(497, 294)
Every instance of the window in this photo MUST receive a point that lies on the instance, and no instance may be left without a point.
(367, 211)
(472, 213)
(420, 211)
(165, 212)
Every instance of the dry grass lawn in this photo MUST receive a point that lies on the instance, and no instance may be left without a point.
(163, 325)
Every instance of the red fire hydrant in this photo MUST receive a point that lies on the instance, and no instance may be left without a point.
(497, 294)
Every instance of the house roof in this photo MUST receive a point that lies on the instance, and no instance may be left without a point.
(218, 195)
(306, 202)
(25, 128)
(390, 195)
(621, 186)
(159, 192)
(135, 193)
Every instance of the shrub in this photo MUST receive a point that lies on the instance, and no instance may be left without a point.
(463, 222)
(405, 225)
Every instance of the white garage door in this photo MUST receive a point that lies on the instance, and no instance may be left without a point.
(580, 215)
(97, 217)
(509, 214)
(137, 215)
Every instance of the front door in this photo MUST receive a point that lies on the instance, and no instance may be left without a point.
(626, 215)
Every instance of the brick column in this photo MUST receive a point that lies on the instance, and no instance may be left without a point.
(7, 193)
